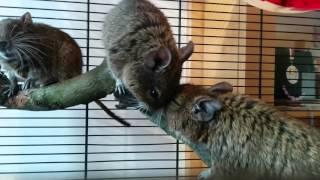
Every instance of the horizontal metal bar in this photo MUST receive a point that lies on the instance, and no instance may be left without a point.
(100, 161)
(96, 170)
(94, 153)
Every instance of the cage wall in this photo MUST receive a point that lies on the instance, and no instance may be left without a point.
(234, 42)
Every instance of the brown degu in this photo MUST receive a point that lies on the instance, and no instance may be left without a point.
(38, 55)
(243, 135)
(141, 52)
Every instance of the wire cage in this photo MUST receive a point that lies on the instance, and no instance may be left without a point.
(235, 42)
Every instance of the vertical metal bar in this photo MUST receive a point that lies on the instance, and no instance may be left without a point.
(261, 53)
(238, 48)
(87, 105)
(179, 44)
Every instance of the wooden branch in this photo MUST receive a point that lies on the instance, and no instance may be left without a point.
(83, 89)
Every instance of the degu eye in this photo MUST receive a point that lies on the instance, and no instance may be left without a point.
(154, 93)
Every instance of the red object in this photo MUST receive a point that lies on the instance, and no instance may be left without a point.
(298, 4)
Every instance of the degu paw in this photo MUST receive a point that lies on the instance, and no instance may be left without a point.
(28, 84)
(120, 88)
(125, 99)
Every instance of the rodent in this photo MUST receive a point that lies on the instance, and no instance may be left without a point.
(39, 55)
(141, 52)
(243, 135)
(36, 53)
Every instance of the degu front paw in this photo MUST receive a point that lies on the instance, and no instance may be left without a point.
(28, 84)
(120, 88)
(126, 100)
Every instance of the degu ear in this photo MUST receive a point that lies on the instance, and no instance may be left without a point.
(186, 51)
(158, 59)
(221, 88)
(26, 19)
(205, 109)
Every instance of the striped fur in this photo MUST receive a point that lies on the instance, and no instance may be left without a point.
(247, 136)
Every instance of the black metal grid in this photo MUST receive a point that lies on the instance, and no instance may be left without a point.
(83, 145)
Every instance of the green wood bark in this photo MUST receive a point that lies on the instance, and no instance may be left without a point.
(83, 89)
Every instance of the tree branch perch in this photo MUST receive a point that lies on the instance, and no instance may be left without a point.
(83, 89)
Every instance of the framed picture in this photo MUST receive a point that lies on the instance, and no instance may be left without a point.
(295, 76)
